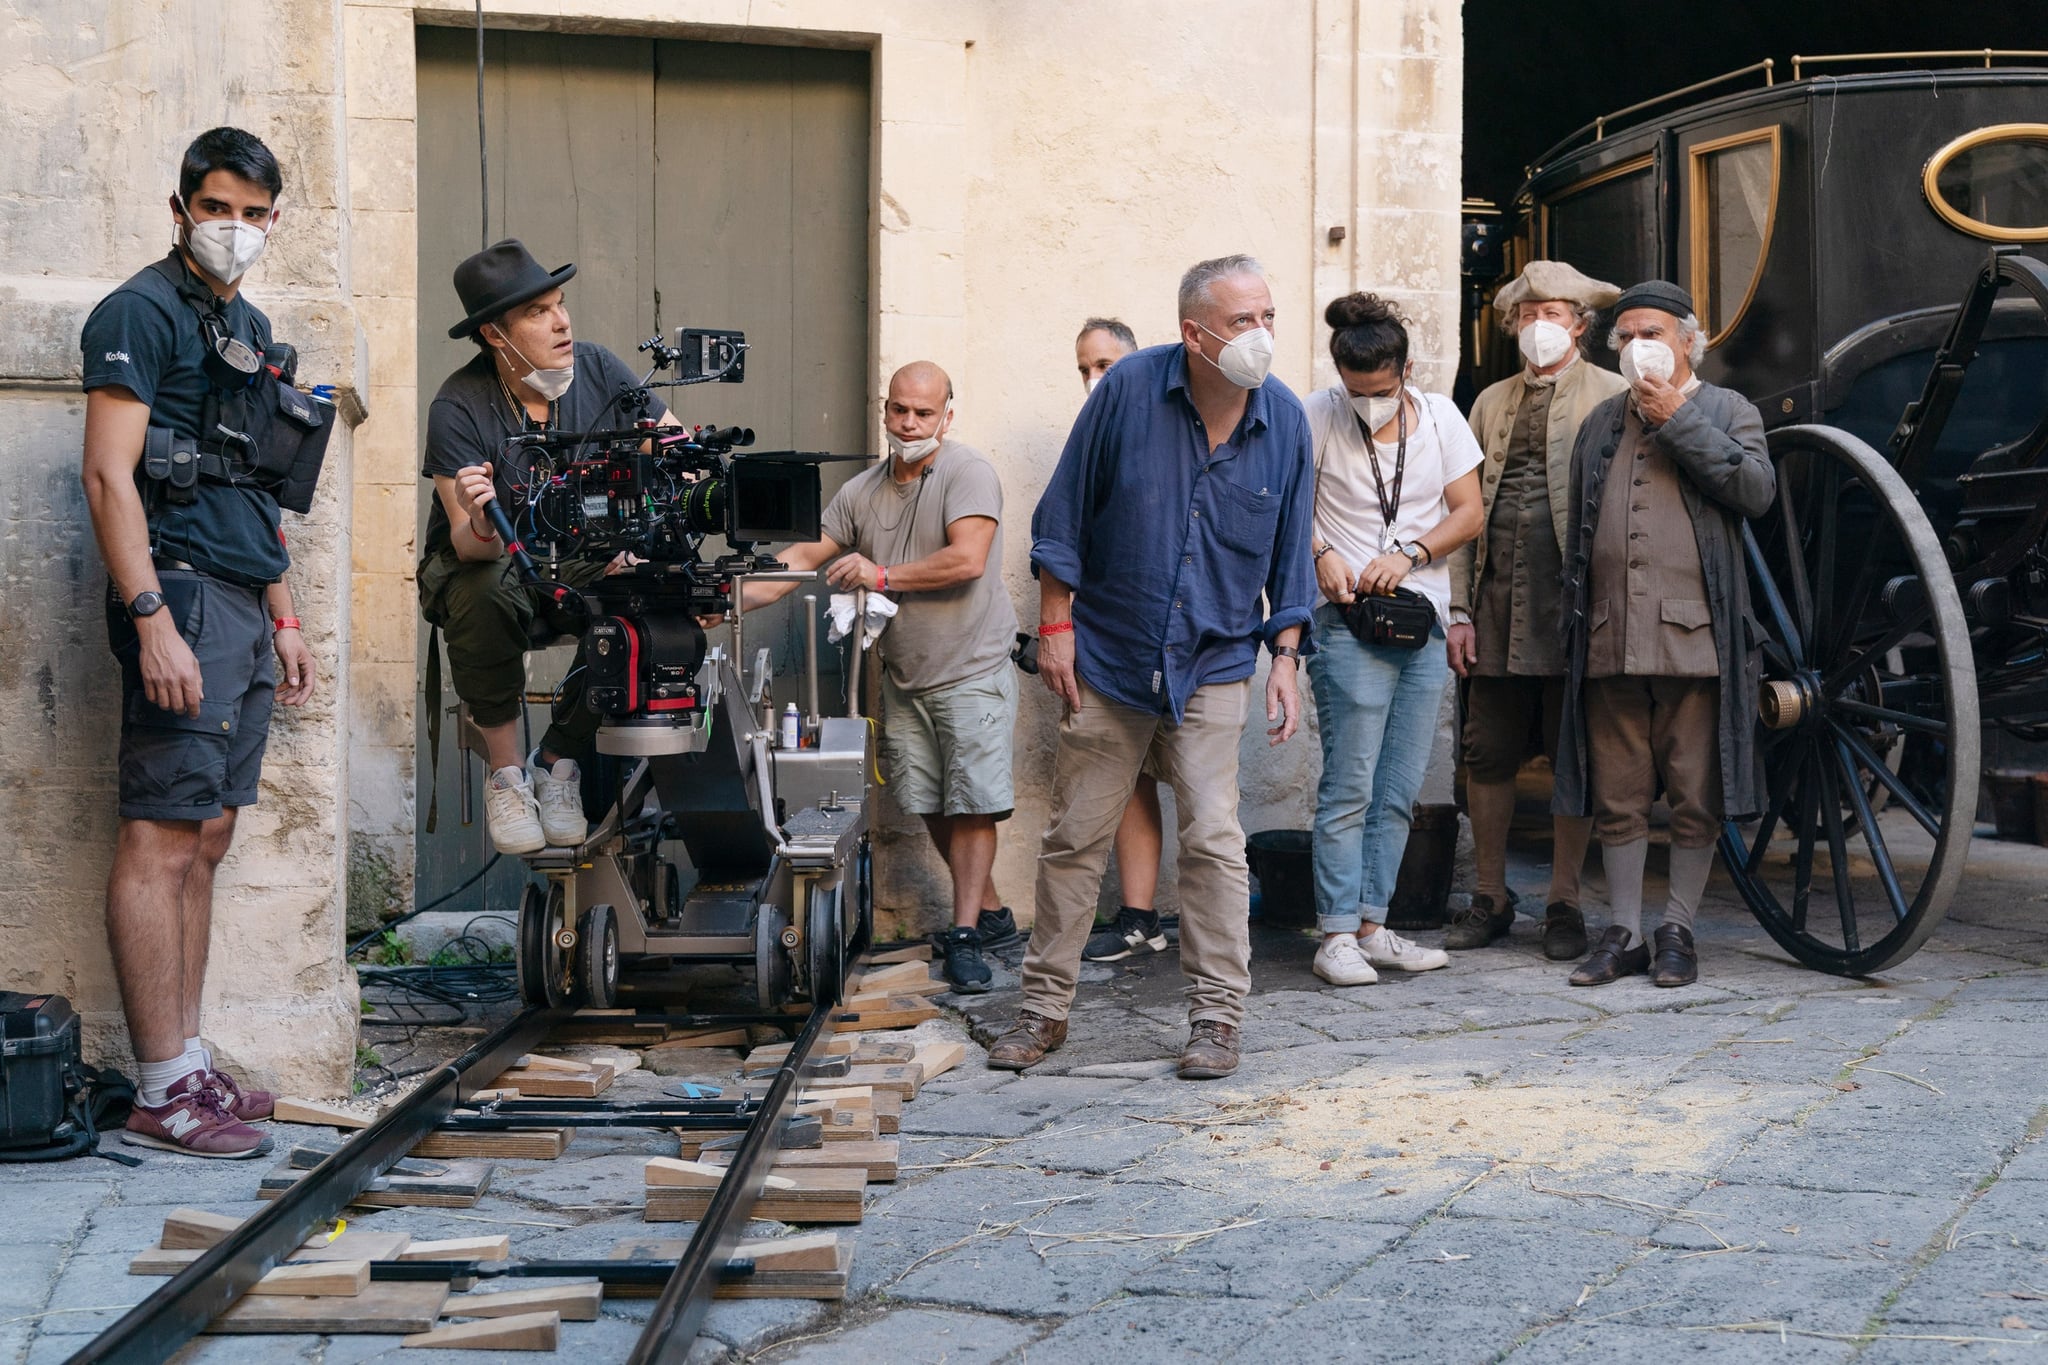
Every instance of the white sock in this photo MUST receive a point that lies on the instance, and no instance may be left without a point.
(158, 1077)
(195, 1048)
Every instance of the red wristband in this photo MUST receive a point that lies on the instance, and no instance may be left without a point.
(285, 623)
(483, 539)
(881, 577)
(1056, 628)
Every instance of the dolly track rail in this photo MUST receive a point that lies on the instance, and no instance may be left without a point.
(678, 1315)
(180, 1310)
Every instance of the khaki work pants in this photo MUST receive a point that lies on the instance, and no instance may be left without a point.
(1101, 750)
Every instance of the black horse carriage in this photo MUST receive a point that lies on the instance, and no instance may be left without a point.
(1869, 255)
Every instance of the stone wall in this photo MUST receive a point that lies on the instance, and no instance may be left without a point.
(100, 97)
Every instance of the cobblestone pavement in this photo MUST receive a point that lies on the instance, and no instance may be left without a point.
(1473, 1164)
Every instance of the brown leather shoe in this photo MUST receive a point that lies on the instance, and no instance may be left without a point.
(1479, 924)
(1611, 961)
(1678, 962)
(1211, 1052)
(1027, 1042)
(1564, 932)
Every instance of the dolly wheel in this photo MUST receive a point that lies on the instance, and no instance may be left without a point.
(597, 958)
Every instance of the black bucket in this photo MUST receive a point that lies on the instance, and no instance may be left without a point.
(2012, 803)
(1283, 862)
(1422, 891)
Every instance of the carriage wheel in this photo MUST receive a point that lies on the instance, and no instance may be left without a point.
(1868, 686)
(544, 967)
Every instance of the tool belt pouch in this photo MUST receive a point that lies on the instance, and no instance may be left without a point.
(1401, 621)
(170, 464)
(291, 445)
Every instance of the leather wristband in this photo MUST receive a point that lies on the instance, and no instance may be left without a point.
(285, 623)
(1056, 628)
(481, 537)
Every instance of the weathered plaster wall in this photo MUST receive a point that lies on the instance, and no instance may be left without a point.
(99, 97)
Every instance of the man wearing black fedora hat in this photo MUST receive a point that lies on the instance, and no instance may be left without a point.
(1661, 682)
(529, 374)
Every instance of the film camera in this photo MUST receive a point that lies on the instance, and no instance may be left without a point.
(684, 503)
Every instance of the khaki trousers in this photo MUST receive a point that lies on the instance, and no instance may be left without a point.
(1102, 748)
(1643, 731)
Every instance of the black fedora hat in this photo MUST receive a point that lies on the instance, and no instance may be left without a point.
(501, 276)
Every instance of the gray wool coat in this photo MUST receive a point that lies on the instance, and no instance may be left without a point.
(1717, 441)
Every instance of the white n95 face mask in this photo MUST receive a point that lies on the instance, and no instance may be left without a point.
(1543, 343)
(910, 452)
(1376, 412)
(1642, 360)
(223, 247)
(1247, 357)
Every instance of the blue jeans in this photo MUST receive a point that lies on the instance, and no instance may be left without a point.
(1377, 711)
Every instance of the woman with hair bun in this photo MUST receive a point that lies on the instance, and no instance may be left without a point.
(1397, 490)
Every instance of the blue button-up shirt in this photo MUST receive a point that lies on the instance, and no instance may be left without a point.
(1170, 548)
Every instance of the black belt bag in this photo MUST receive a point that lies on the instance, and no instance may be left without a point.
(1403, 620)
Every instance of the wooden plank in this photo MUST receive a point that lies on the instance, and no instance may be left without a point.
(678, 1173)
(904, 1079)
(497, 1248)
(386, 1306)
(523, 1332)
(520, 1144)
(888, 1112)
(902, 978)
(355, 1244)
(811, 1196)
(878, 1158)
(324, 1279)
(708, 1037)
(464, 1184)
(936, 1059)
(538, 1061)
(579, 1083)
(921, 951)
(485, 1096)
(575, 1300)
(799, 1271)
(884, 1012)
(324, 1115)
(766, 1061)
(185, 1228)
(304, 1156)
(621, 1031)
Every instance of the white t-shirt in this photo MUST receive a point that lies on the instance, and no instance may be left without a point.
(1441, 450)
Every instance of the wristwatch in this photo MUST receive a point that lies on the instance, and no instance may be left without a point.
(1414, 554)
(146, 604)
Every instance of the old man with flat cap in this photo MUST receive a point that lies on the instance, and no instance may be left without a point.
(529, 374)
(1660, 692)
(1503, 636)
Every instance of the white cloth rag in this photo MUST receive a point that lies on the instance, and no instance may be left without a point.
(841, 610)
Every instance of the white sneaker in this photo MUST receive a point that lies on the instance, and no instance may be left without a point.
(510, 813)
(559, 792)
(1340, 963)
(1385, 948)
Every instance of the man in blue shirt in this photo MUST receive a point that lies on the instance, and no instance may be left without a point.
(1172, 540)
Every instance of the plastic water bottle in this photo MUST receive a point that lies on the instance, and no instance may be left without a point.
(790, 726)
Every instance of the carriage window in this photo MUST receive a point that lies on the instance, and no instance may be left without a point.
(1993, 183)
(1607, 225)
(1734, 202)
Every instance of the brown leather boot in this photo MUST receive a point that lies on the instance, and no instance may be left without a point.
(1211, 1052)
(1564, 932)
(1678, 962)
(1611, 961)
(1027, 1042)
(1479, 924)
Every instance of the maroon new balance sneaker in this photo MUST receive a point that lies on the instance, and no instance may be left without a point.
(250, 1106)
(193, 1120)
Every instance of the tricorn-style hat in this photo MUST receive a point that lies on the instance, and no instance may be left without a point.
(1659, 294)
(501, 276)
(1541, 280)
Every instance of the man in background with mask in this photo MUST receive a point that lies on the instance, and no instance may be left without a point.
(1182, 499)
(925, 528)
(529, 375)
(1662, 681)
(1503, 632)
(196, 607)
(1137, 927)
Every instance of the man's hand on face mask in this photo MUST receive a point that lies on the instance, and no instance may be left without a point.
(1659, 399)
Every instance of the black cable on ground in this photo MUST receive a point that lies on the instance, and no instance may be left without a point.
(367, 939)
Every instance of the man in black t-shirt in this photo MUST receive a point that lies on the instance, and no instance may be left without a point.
(530, 374)
(196, 608)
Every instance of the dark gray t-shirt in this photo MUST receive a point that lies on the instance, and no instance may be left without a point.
(471, 419)
(953, 634)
